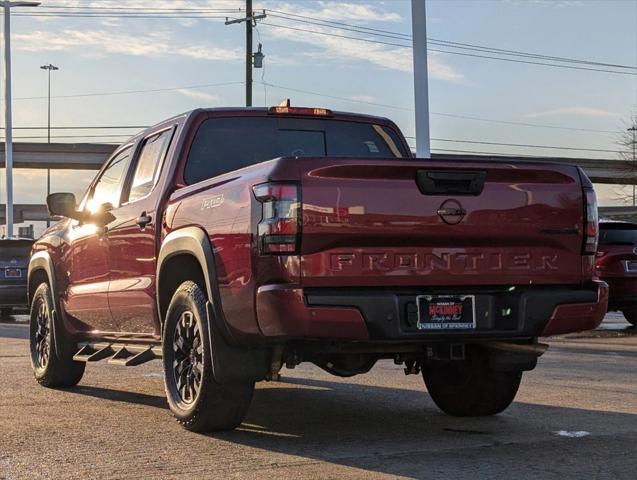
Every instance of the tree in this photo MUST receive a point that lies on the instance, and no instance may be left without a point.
(628, 152)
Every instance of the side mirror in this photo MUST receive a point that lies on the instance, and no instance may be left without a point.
(63, 205)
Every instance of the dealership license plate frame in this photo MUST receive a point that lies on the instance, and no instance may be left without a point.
(12, 272)
(451, 325)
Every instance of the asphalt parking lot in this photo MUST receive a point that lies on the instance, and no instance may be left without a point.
(575, 417)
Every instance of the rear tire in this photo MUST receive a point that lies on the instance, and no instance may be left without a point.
(630, 314)
(196, 399)
(52, 368)
(470, 388)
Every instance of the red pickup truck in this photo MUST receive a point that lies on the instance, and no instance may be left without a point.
(231, 242)
(617, 266)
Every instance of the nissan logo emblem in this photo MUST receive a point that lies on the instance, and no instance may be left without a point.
(451, 212)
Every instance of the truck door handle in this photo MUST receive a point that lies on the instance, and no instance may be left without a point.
(143, 220)
(451, 182)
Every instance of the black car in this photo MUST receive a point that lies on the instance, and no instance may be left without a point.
(14, 261)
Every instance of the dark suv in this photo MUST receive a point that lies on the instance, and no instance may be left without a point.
(14, 261)
(617, 265)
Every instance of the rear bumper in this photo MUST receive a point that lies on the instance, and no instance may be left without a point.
(13, 295)
(285, 311)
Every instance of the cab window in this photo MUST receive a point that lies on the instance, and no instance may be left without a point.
(148, 165)
(108, 187)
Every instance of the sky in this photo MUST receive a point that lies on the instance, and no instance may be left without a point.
(176, 56)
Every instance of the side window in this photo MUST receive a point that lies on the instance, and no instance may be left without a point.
(109, 186)
(150, 159)
(225, 144)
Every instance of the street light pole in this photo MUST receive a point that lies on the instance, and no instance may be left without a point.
(49, 68)
(421, 81)
(8, 124)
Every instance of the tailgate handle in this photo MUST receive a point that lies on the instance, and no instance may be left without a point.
(451, 182)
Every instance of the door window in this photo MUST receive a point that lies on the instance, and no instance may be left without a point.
(108, 187)
(150, 159)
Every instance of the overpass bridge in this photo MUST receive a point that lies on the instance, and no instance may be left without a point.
(91, 156)
(74, 156)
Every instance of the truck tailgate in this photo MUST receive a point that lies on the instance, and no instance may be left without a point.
(435, 223)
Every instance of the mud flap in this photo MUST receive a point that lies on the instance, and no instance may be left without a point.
(63, 349)
(56, 338)
(232, 364)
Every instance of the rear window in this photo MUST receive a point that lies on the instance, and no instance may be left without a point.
(225, 144)
(617, 234)
(18, 250)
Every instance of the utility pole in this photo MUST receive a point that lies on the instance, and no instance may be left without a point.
(250, 21)
(50, 67)
(249, 53)
(421, 81)
(8, 118)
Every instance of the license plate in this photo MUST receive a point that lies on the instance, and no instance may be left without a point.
(631, 266)
(446, 312)
(12, 273)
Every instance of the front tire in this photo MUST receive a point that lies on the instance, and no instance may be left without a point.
(630, 314)
(52, 368)
(470, 388)
(196, 399)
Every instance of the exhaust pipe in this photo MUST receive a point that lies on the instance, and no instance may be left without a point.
(536, 349)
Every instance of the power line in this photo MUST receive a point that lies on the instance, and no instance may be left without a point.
(144, 9)
(203, 12)
(122, 127)
(336, 97)
(35, 137)
(114, 15)
(292, 89)
(451, 115)
(367, 40)
(128, 92)
(523, 124)
(495, 154)
(436, 41)
(319, 94)
(523, 145)
(134, 12)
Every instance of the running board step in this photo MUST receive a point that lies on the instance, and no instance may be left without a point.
(127, 355)
(126, 358)
(89, 354)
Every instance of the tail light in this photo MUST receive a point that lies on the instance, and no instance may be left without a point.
(591, 226)
(279, 230)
